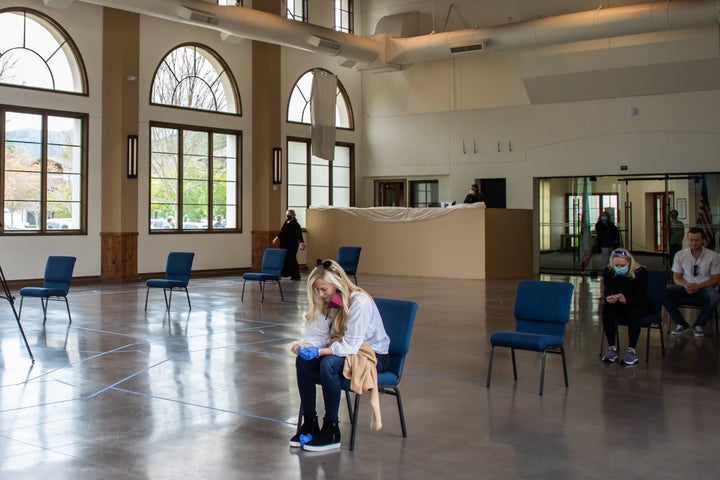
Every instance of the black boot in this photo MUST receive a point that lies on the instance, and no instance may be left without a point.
(327, 439)
(309, 427)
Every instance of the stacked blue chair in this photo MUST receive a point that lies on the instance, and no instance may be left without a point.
(177, 277)
(271, 270)
(56, 284)
(348, 258)
(542, 310)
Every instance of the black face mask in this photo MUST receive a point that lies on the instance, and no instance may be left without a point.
(289, 217)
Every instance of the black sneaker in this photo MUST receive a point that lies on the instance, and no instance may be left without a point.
(309, 430)
(327, 439)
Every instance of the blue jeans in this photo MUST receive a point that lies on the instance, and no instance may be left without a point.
(707, 299)
(327, 371)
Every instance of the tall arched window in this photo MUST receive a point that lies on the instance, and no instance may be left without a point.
(36, 52)
(193, 76)
(195, 169)
(299, 103)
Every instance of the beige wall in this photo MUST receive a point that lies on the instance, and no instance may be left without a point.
(451, 246)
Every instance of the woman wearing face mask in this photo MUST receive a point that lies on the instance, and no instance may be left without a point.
(625, 285)
(342, 319)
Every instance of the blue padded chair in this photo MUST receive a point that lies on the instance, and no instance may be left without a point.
(177, 277)
(272, 264)
(348, 258)
(398, 318)
(56, 284)
(657, 286)
(542, 310)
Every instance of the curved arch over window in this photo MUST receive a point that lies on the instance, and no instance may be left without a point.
(36, 52)
(193, 76)
(299, 103)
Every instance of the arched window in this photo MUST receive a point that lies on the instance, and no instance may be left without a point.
(193, 76)
(299, 103)
(36, 52)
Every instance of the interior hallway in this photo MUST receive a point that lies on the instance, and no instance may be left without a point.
(124, 394)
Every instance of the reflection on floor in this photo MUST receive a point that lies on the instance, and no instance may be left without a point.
(210, 394)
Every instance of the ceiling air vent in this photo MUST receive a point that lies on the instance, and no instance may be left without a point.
(197, 16)
(326, 43)
(468, 47)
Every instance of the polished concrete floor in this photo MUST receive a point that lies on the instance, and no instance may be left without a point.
(210, 394)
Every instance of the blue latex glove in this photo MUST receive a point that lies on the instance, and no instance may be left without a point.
(305, 438)
(308, 353)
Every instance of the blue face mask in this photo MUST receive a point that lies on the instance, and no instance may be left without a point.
(604, 219)
(621, 270)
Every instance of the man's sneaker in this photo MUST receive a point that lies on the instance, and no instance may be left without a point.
(611, 356)
(309, 427)
(327, 439)
(698, 331)
(680, 329)
(629, 357)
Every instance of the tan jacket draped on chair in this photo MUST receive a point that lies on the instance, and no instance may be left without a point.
(361, 369)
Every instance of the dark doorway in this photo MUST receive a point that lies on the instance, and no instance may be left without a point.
(493, 189)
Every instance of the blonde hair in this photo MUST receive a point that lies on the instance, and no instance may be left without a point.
(622, 253)
(333, 274)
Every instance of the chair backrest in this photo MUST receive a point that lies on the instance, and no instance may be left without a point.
(657, 286)
(398, 318)
(348, 258)
(178, 266)
(542, 307)
(58, 272)
(273, 260)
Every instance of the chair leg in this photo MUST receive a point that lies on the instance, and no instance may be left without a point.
(490, 361)
(542, 372)
(512, 351)
(20, 309)
(401, 412)
(188, 297)
(662, 339)
(647, 346)
(67, 305)
(170, 290)
(262, 291)
(282, 298)
(147, 292)
(562, 354)
(242, 296)
(349, 405)
(167, 307)
(44, 301)
(354, 421)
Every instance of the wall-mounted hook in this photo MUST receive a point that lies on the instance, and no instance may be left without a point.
(509, 146)
(499, 148)
(463, 145)
(474, 146)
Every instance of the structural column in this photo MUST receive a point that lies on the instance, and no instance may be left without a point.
(120, 107)
(266, 134)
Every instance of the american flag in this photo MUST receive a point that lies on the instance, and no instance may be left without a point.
(704, 219)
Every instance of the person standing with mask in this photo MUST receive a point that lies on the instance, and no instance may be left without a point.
(625, 284)
(290, 238)
(608, 236)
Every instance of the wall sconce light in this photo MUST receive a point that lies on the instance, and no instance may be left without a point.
(132, 156)
(277, 165)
